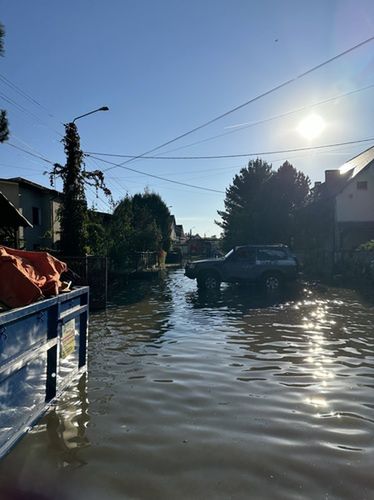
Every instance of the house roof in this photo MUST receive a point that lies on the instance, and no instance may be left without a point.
(349, 171)
(179, 230)
(10, 216)
(358, 163)
(34, 185)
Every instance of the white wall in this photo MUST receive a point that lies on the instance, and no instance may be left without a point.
(357, 205)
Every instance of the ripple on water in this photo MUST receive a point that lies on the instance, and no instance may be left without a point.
(225, 395)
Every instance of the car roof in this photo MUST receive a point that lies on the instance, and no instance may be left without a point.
(263, 246)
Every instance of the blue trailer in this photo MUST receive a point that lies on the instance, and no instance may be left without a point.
(43, 347)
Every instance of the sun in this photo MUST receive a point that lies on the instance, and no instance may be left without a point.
(311, 126)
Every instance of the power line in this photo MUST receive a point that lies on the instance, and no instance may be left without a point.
(254, 99)
(89, 188)
(27, 112)
(24, 94)
(244, 126)
(29, 153)
(6, 165)
(218, 157)
(155, 176)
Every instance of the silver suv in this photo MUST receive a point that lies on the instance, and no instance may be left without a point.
(269, 265)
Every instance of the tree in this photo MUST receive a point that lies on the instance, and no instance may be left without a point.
(149, 208)
(73, 214)
(121, 234)
(4, 131)
(240, 219)
(96, 238)
(139, 223)
(261, 204)
(284, 195)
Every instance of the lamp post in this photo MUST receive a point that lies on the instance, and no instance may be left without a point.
(74, 208)
(103, 108)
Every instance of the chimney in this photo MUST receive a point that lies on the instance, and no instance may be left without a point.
(332, 177)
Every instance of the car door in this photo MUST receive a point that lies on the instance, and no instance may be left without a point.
(240, 265)
(270, 260)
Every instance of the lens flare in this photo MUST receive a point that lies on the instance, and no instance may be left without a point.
(311, 126)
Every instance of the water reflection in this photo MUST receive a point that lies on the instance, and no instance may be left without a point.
(66, 426)
(240, 298)
(222, 395)
(53, 447)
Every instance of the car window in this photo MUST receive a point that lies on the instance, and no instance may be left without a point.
(271, 254)
(247, 254)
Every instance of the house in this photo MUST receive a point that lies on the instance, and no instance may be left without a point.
(195, 246)
(354, 202)
(10, 222)
(340, 215)
(39, 205)
(172, 229)
(180, 233)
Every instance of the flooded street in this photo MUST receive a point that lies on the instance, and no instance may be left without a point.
(230, 395)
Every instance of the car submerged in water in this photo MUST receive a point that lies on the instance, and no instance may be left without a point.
(271, 266)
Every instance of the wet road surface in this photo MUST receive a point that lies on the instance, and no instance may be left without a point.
(224, 395)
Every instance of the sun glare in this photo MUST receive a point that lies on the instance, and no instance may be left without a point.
(311, 126)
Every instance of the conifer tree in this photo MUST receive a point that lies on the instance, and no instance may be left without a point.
(261, 204)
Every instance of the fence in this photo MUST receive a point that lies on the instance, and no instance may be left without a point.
(146, 260)
(92, 271)
(355, 264)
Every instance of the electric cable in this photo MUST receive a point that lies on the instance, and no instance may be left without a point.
(245, 126)
(25, 95)
(29, 153)
(156, 176)
(225, 156)
(250, 101)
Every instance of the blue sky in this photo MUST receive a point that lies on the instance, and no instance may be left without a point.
(166, 66)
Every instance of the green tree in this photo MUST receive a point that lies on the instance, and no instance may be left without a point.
(121, 234)
(4, 131)
(283, 196)
(74, 214)
(150, 209)
(241, 221)
(139, 223)
(261, 204)
(147, 238)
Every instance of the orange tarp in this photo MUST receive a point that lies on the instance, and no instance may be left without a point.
(28, 276)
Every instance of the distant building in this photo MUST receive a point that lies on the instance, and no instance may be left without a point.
(172, 229)
(341, 214)
(180, 233)
(39, 205)
(196, 246)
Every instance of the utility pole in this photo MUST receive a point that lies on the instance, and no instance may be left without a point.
(73, 215)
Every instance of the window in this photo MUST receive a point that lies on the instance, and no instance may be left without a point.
(362, 185)
(247, 254)
(271, 254)
(36, 216)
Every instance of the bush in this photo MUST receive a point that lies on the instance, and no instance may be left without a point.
(367, 247)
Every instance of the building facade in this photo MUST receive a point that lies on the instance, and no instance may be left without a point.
(40, 206)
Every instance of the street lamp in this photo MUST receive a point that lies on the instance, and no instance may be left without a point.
(74, 207)
(103, 108)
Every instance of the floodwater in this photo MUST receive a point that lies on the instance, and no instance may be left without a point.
(221, 396)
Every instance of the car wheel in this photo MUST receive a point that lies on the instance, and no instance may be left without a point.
(272, 282)
(208, 281)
